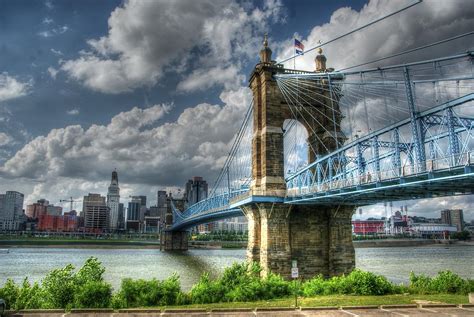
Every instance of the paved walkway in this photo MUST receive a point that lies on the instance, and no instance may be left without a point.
(395, 310)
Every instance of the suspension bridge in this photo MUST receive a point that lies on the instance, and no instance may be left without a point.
(313, 146)
(410, 130)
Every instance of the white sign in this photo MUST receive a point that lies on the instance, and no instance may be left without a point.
(294, 272)
(294, 263)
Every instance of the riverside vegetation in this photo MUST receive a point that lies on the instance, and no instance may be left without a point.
(85, 288)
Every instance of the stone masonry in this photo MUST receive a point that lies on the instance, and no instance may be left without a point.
(318, 237)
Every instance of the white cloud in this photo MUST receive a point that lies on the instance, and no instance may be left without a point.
(4, 139)
(11, 88)
(148, 152)
(49, 4)
(52, 72)
(427, 22)
(73, 112)
(203, 79)
(137, 53)
(48, 20)
(54, 31)
(57, 52)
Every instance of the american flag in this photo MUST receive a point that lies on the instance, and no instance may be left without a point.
(299, 47)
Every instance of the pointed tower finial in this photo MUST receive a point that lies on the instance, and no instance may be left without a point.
(320, 60)
(265, 52)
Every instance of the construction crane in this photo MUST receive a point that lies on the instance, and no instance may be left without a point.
(71, 201)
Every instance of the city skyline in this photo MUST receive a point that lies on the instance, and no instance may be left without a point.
(145, 123)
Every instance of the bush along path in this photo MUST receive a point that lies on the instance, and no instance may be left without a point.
(67, 288)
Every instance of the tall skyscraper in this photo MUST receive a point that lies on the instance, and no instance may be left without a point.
(96, 212)
(161, 205)
(113, 201)
(453, 217)
(196, 190)
(121, 217)
(11, 210)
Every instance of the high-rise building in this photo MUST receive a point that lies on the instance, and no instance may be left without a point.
(11, 210)
(113, 201)
(42, 207)
(37, 209)
(96, 212)
(133, 211)
(54, 210)
(196, 190)
(162, 206)
(453, 217)
(121, 217)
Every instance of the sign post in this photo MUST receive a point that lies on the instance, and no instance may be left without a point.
(294, 276)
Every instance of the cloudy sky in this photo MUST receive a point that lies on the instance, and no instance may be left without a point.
(157, 89)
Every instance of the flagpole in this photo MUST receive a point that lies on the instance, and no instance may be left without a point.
(294, 47)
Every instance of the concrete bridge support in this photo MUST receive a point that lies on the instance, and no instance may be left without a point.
(174, 240)
(318, 237)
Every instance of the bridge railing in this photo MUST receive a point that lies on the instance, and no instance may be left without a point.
(374, 159)
(206, 206)
(440, 164)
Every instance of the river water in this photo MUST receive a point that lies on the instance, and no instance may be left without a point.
(394, 263)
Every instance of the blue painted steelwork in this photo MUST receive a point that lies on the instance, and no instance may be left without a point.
(395, 167)
(361, 189)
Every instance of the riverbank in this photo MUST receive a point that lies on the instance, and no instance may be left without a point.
(83, 243)
(154, 244)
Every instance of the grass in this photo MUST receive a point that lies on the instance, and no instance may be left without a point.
(337, 300)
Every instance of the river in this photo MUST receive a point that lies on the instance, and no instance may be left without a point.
(395, 262)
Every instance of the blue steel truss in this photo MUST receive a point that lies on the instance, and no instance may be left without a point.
(425, 149)
(339, 178)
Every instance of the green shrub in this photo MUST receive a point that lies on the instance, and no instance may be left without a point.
(9, 293)
(59, 286)
(314, 286)
(117, 301)
(29, 297)
(142, 293)
(91, 271)
(274, 286)
(93, 294)
(206, 291)
(366, 283)
(356, 283)
(446, 282)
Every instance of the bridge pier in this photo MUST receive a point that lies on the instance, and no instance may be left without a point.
(253, 245)
(318, 238)
(175, 240)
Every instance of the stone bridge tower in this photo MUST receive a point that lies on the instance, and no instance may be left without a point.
(318, 237)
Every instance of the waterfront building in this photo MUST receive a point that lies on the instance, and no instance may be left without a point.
(113, 201)
(133, 211)
(196, 189)
(433, 230)
(64, 223)
(37, 209)
(162, 198)
(54, 210)
(42, 207)
(368, 227)
(11, 210)
(453, 217)
(235, 224)
(96, 213)
(121, 217)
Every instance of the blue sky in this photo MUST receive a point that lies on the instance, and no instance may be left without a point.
(157, 89)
